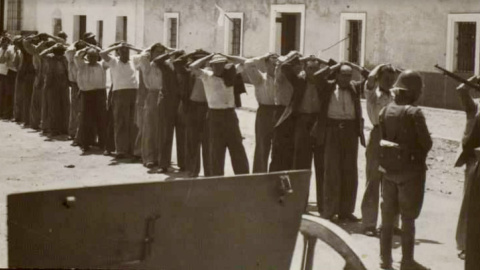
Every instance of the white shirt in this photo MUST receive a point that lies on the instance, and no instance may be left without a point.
(264, 84)
(376, 100)
(90, 77)
(151, 73)
(219, 96)
(124, 75)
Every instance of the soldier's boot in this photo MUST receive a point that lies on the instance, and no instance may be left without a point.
(386, 235)
(408, 246)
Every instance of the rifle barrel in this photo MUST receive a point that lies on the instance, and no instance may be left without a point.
(458, 78)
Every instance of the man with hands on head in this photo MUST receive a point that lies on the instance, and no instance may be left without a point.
(223, 127)
(91, 78)
(125, 84)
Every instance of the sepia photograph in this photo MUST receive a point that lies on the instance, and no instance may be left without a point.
(242, 135)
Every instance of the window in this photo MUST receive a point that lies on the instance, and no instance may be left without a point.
(100, 33)
(79, 26)
(463, 43)
(57, 26)
(170, 29)
(465, 39)
(287, 28)
(121, 32)
(14, 16)
(352, 29)
(233, 42)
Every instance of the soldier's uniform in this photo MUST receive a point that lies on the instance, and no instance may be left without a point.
(405, 170)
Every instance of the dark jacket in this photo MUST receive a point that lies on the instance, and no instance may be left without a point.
(407, 127)
(299, 87)
(328, 87)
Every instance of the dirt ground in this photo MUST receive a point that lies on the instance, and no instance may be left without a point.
(30, 162)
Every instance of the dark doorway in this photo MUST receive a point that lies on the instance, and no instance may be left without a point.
(290, 32)
(2, 15)
(79, 26)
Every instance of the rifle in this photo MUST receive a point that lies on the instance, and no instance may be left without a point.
(458, 78)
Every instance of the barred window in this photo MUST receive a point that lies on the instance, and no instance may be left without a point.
(14, 16)
(354, 41)
(465, 40)
(79, 26)
(173, 32)
(236, 36)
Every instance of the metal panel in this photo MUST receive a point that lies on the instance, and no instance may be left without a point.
(242, 222)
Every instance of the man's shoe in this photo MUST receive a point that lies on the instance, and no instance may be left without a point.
(349, 218)
(150, 165)
(370, 231)
(120, 156)
(412, 265)
(386, 266)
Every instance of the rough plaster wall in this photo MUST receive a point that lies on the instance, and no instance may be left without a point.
(29, 14)
(410, 33)
(95, 10)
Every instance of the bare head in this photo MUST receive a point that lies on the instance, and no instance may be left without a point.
(124, 53)
(92, 56)
(157, 49)
(218, 64)
(344, 76)
(271, 64)
(386, 77)
(311, 67)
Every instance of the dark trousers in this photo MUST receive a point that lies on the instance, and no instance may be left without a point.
(8, 95)
(150, 135)
(45, 120)
(58, 105)
(264, 124)
(4, 96)
(197, 138)
(306, 149)
(110, 143)
(462, 219)
(124, 120)
(75, 105)
(472, 260)
(36, 104)
(341, 175)
(282, 143)
(171, 120)
(23, 96)
(93, 118)
(401, 194)
(224, 133)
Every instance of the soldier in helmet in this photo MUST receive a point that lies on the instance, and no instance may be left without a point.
(404, 148)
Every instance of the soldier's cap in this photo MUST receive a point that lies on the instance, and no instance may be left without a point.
(88, 35)
(218, 59)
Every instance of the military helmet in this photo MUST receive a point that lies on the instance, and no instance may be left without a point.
(410, 81)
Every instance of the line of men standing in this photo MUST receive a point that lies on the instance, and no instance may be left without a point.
(309, 111)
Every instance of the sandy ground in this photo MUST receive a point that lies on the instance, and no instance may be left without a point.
(30, 162)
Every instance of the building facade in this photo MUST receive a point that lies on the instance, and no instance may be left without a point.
(409, 34)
